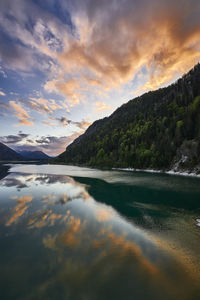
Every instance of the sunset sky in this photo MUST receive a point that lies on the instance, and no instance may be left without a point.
(66, 63)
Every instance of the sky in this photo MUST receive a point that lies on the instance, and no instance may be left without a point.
(66, 63)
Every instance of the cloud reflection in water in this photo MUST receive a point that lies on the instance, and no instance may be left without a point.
(93, 252)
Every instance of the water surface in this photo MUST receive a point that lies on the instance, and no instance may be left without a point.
(78, 233)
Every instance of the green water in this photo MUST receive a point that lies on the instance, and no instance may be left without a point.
(77, 233)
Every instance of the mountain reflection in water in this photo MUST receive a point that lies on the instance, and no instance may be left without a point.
(60, 241)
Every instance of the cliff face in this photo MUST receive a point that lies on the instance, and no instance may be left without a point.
(159, 130)
(187, 157)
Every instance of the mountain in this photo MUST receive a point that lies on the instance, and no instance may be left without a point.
(34, 155)
(3, 171)
(158, 130)
(8, 154)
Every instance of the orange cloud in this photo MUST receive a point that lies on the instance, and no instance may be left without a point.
(109, 45)
(70, 88)
(48, 123)
(43, 105)
(2, 93)
(114, 46)
(101, 106)
(21, 114)
(84, 124)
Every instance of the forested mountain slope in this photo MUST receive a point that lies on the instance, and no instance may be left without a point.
(158, 130)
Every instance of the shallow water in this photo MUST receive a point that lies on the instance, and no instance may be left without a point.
(78, 233)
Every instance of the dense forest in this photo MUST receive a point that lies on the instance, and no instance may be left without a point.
(158, 130)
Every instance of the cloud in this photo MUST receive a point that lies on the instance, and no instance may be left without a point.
(84, 124)
(53, 105)
(35, 35)
(21, 114)
(14, 139)
(104, 44)
(2, 93)
(115, 42)
(100, 49)
(4, 108)
(47, 140)
(2, 72)
(52, 145)
(70, 88)
(42, 105)
(48, 123)
(4, 105)
(101, 106)
(30, 141)
(63, 121)
(15, 56)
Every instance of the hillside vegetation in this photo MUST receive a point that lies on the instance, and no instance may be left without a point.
(158, 130)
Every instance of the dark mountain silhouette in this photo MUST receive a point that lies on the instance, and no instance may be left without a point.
(8, 154)
(34, 155)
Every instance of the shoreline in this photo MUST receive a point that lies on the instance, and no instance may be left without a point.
(4, 170)
(170, 172)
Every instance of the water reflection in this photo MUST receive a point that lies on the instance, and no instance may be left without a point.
(19, 210)
(66, 245)
(138, 179)
(9, 182)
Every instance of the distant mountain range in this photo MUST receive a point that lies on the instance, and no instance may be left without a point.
(158, 130)
(8, 154)
(34, 155)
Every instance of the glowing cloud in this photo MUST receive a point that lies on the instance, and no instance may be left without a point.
(2, 93)
(21, 114)
(100, 106)
(43, 105)
(70, 88)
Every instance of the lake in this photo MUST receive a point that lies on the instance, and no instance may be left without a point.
(78, 233)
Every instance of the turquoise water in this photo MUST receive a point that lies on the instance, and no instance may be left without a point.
(78, 233)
